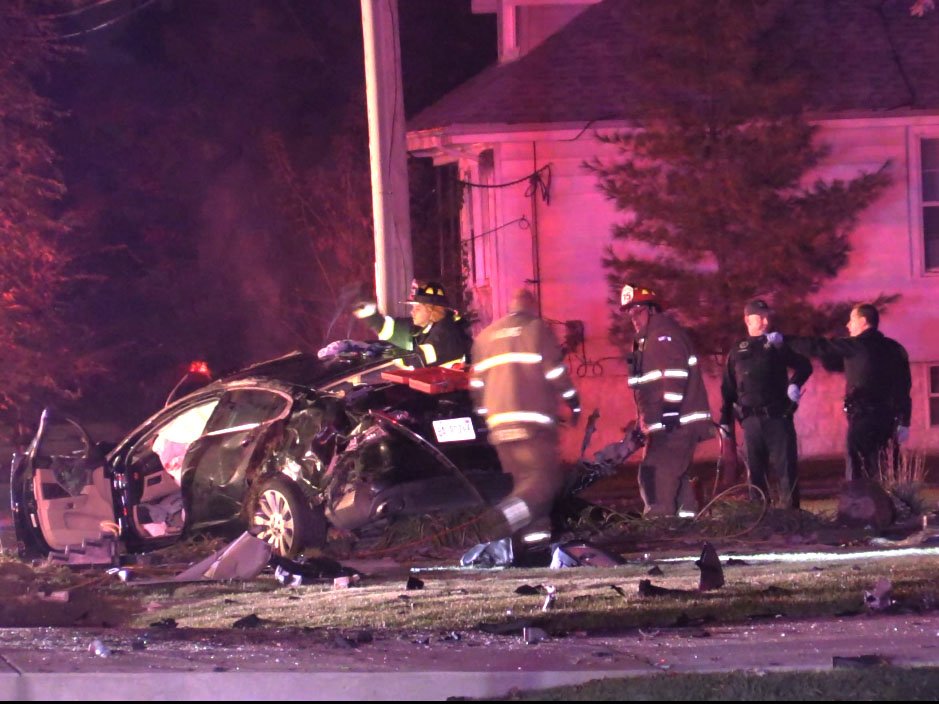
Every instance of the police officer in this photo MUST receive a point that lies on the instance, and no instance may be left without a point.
(519, 381)
(434, 329)
(671, 400)
(877, 389)
(758, 391)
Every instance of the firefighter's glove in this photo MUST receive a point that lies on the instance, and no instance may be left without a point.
(774, 339)
(364, 309)
(903, 434)
(794, 393)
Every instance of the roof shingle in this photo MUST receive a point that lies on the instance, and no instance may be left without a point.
(860, 56)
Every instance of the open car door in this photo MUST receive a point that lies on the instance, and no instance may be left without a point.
(61, 494)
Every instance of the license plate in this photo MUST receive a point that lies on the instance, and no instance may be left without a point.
(454, 429)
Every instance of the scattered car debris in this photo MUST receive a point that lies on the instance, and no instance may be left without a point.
(249, 621)
(243, 558)
(288, 579)
(99, 648)
(582, 554)
(414, 583)
(164, 623)
(550, 597)
(712, 575)
(880, 597)
(303, 570)
(497, 553)
(655, 571)
(619, 590)
(647, 588)
(528, 590)
(532, 635)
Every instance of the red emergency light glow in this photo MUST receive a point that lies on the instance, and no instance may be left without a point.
(200, 367)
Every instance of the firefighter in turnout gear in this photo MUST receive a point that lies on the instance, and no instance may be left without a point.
(518, 380)
(877, 389)
(434, 329)
(758, 391)
(671, 401)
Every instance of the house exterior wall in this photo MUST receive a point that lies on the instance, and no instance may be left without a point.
(573, 230)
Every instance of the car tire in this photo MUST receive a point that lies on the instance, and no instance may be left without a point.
(281, 517)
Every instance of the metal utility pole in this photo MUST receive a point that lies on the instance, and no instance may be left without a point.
(385, 94)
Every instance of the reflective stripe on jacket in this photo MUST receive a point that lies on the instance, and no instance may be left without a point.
(519, 377)
(440, 344)
(666, 378)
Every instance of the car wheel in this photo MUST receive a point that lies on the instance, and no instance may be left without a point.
(282, 518)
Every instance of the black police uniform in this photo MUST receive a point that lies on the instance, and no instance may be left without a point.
(754, 391)
(877, 393)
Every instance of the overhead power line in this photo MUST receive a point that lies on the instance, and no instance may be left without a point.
(106, 23)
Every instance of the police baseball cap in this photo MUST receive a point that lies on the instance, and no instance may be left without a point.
(758, 307)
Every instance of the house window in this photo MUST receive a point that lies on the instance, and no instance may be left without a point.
(929, 161)
(934, 396)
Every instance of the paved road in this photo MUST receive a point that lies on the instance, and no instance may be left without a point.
(263, 664)
(56, 664)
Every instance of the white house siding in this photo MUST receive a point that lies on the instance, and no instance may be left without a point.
(574, 231)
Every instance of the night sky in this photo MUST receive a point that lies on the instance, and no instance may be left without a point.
(215, 153)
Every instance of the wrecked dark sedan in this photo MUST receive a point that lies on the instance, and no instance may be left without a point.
(285, 449)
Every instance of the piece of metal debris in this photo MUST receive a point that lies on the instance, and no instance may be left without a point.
(550, 597)
(533, 634)
(414, 583)
(647, 588)
(249, 621)
(712, 575)
(243, 558)
(880, 597)
(99, 648)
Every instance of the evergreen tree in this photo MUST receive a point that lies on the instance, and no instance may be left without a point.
(37, 346)
(713, 180)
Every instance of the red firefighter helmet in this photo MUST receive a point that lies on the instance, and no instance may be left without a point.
(632, 295)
